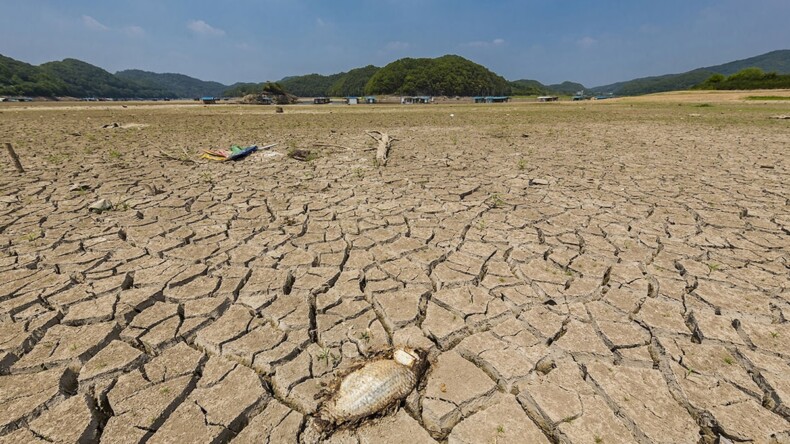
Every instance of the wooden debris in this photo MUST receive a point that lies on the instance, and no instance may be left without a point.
(14, 157)
(185, 158)
(383, 149)
(783, 117)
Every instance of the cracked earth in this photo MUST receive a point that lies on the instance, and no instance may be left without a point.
(596, 273)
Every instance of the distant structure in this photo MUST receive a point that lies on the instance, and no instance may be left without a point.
(208, 100)
(321, 100)
(352, 100)
(370, 100)
(491, 99)
(580, 95)
(411, 100)
(548, 99)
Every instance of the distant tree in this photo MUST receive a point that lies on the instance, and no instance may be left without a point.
(747, 74)
(748, 78)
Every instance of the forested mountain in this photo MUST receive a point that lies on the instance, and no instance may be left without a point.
(83, 79)
(774, 61)
(568, 88)
(75, 78)
(178, 84)
(310, 85)
(449, 75)
(353, 82)
(21, 79)
(526, 87)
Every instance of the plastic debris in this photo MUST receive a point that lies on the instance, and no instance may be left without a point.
(234, 153)
(100, 206)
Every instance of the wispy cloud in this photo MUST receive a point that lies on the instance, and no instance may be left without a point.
(586, 42)
(320, 22)
(133, 31)
(92, 23)
(648, 28)
(201, 27)
(485, 43)
(397, 46)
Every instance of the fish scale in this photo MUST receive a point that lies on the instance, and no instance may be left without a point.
(369, 390)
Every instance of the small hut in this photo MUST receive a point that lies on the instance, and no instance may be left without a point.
(321, 100)
(491, 99)
(208, 100)
(548, 99)
(411, 100)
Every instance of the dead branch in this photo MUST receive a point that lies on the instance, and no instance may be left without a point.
(384, 143)
(331, 145)
(184, 159)
(14, 157)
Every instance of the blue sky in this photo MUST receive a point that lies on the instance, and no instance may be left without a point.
(592, 42)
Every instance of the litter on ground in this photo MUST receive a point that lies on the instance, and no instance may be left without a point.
(234, 153)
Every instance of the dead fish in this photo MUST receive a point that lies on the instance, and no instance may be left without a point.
(373, 387)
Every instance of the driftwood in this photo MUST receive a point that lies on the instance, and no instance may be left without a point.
(14, 157)
(383, 149)
(186, 158)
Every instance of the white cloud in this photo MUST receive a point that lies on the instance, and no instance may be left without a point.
(92, 23)
(320, 22)
(397, 46)
(133, 31)
(648, 28)
(201, 27)
(586, 42)
(485, 43)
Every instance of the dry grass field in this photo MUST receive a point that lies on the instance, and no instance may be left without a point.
(589, 272)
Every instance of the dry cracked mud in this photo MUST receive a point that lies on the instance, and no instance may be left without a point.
(579, 273)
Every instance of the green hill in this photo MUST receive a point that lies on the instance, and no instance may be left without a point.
(748, 78)
(567, 88)
(178, 84)
(336, 85)
(310, 85)
(83, 79)
(526, 87)
(22, 79)
(353, 82)
(774, 61)
(449, 75)
(75, 78)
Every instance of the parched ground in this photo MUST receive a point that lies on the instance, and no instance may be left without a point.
(584, 273)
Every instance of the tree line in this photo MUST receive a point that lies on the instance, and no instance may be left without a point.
(749, 78)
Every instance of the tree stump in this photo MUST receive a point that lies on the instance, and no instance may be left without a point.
(14, 157)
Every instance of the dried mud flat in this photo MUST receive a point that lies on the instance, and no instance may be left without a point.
(585, 273)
